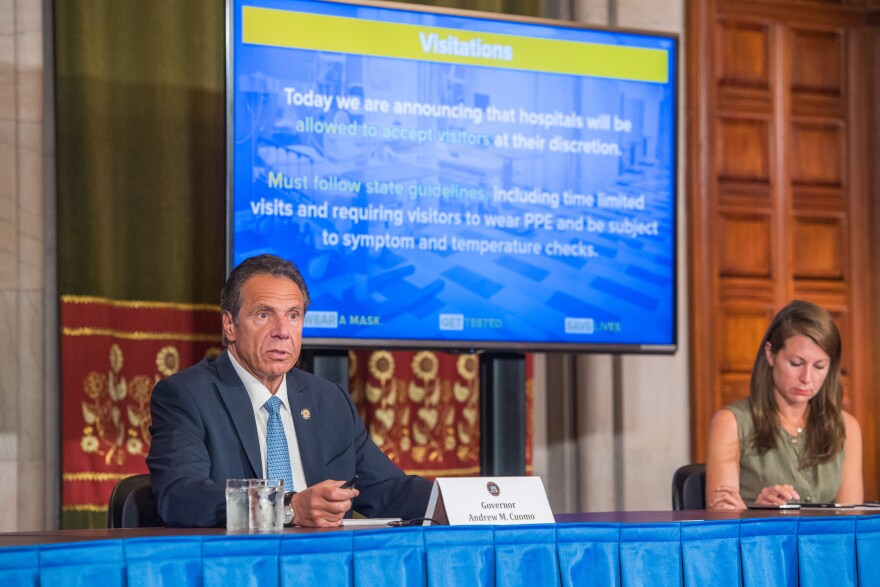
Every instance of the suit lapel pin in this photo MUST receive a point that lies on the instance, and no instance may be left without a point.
(305, 413)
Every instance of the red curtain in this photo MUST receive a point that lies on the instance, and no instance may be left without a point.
(423, 408)
(112, 354)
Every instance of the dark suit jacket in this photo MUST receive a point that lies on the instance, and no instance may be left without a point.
(203, 433)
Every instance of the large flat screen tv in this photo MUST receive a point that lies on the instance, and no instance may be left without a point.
(457, 180)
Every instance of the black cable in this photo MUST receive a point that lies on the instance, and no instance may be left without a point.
(412, 522)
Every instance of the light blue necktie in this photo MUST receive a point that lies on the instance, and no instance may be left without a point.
(277, 455)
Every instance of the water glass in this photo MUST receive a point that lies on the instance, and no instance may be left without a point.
(237, 518)
(266, 497)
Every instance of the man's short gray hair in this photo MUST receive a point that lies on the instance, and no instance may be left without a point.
(230, 295)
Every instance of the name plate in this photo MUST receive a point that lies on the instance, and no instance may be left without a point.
(462, 501)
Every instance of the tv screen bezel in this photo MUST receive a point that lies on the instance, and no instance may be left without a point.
(474, 345)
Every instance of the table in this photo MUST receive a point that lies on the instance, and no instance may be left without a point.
(817, 547)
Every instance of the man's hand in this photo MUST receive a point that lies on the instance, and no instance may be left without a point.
(322, 505)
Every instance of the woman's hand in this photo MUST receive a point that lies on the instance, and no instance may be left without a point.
(776, 495)
(725, 497)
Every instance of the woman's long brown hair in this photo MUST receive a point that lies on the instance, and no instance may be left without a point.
(825, 432)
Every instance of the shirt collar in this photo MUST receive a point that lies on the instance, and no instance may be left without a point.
(258, 392)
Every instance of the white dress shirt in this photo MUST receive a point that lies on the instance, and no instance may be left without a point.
(259, 395)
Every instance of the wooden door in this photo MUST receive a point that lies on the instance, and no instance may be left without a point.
(780, 195)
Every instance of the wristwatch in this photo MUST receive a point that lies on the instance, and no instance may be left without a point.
(289, 512)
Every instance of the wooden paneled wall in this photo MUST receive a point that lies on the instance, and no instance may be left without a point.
(781, 190)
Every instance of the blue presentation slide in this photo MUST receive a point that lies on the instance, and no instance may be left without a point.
(447, 180)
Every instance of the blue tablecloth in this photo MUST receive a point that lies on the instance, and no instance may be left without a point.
(841, 551)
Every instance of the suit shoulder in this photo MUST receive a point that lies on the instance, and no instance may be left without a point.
(299, 378)
(324, 391)
(195, 375)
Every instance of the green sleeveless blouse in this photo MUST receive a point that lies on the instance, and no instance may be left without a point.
(816, 484)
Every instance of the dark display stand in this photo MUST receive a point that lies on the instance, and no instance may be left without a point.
(331, 365)
(503, 414)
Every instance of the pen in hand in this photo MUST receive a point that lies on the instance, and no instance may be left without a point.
(350, 483)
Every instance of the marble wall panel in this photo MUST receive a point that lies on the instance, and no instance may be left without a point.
(32, 381)
(31, 221)
(650, 15)
(33, 487)
(7, 75)
(8, 487)
(8, 206)
(8, 352)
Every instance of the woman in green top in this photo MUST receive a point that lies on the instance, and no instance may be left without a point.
(790, 440)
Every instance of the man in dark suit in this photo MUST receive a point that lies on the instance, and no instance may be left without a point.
(210, 422)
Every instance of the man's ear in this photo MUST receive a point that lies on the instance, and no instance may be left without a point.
(228, 326)
(768, 352)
